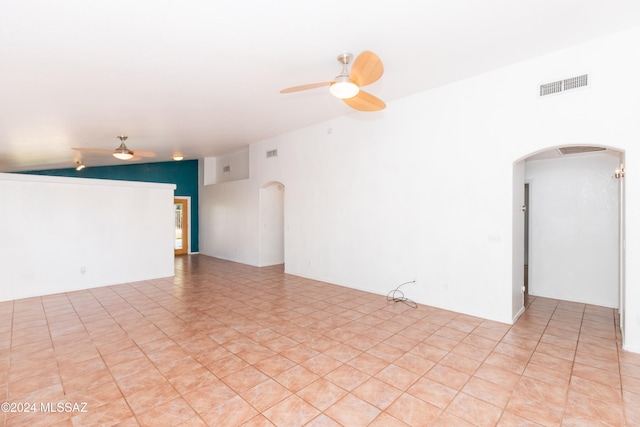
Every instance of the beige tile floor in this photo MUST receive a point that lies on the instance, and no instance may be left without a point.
(226, 344)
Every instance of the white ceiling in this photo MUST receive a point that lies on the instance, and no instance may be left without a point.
(203, 77)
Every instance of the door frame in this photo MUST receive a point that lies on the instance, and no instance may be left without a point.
(186, 201)
(622, 250)
(517, 240)
(272, 218)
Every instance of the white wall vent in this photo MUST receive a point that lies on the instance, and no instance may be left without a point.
(564, 85)
(575, 82)
(579, 149)
(272, 153)
(549, 88)
(226, 169)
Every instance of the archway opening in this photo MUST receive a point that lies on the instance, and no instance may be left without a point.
(575, 226)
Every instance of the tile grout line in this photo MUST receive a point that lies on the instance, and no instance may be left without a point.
(617, 327)
(573, 362)
(533, 350)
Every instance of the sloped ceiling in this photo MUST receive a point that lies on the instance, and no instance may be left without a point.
(203, 77)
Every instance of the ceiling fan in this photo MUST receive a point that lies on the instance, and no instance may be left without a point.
(122, 152)
(366, 69)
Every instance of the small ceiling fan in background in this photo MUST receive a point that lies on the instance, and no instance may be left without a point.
(122, 152)
(366, 69)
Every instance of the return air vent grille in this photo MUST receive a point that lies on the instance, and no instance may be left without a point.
(549, 88)
(272, 153)
(564, 85)
(575, 82)
(226, 169)
(579, 149)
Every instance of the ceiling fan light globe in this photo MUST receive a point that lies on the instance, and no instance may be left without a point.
(344, 89)
(122, 155)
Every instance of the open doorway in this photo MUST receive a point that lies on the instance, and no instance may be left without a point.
(573, 235)
(181, 231)
(272, 224)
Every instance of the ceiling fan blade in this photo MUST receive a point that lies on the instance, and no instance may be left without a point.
(143, 153)
(366, 69)
(134, 158)
(304, 87)
(364, 101)
(93, 150)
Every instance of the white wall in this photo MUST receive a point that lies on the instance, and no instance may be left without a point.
(424, 189)
(573, 217)
(215, 168)
(229, 221)
(64, 234)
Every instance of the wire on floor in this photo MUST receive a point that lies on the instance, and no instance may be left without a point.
(396, 295)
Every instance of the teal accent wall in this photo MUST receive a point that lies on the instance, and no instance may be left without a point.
(183, 174)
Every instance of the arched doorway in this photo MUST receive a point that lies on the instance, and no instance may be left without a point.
(272, 224)
(576, 227)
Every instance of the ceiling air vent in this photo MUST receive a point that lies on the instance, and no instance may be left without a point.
(564, 85)
(579, 149)
(272, 153)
